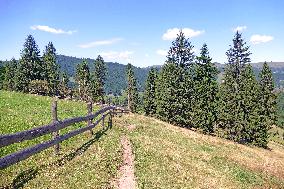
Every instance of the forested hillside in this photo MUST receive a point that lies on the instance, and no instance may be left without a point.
(115, 81)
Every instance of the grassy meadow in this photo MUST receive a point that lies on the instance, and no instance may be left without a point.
(84, 160)
(166, 156)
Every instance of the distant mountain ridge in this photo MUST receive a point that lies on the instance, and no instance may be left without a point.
(276, 67)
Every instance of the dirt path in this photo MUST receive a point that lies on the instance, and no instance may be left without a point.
(131, 127)
(127, 178)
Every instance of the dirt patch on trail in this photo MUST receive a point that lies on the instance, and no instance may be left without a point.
(131, 127)
(126, 178)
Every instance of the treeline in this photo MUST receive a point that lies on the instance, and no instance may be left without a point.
(41, 75)
(186, 93)
(34, 73)
(115, 80)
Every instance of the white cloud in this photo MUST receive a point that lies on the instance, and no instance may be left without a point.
(256, 39)
(162, 52)
(99, 43)
(124, 56)
(240, 28)
(188, 32)
(52, 30)
(147, 55)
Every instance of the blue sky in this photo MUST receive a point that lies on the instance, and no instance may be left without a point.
(140, 32)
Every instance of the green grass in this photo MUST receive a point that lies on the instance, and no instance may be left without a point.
(21, 112)
(84, 160)
(168, 158)
(165, 156)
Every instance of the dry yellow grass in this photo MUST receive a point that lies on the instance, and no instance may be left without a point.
(174, 157)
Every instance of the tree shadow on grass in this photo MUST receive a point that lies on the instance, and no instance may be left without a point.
(22, 178)
(25, 176)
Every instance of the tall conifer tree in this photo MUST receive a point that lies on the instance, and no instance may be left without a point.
(249, 104)
(181, 51)
(51, 69)
(205, 87)
(268, 104)
(238, 55)
(169, 95)
(150, 94)
(82, 79)
(174, 90)
(30, 65)
(230, 111)
(132, 92)
(99, 78)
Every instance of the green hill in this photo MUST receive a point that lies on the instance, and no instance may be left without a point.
(116, 77)
(165, 156)
(116, 81)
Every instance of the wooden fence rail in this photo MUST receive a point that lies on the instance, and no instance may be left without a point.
(54, 128)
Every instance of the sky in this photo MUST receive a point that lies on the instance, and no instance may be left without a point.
(141, 32)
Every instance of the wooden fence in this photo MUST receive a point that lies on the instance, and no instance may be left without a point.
(53, 128)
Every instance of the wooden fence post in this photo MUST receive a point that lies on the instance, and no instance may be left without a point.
(90, 111)
(103, 121)
(110, 119)
(54, 120)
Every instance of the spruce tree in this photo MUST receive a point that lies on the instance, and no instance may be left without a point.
(30, 65)
(132, 92)
(99, 78)
(181, 51)
(174, 90)
(250, 122)
(150, 94)
(83, 81)
(230, 119)
(51, 69)
(267, 99)
(205, 90)
(170, 97)
(9, 81)
(238, 55)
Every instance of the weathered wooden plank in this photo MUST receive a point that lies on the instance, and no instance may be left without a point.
(46, 129)
(25, 153)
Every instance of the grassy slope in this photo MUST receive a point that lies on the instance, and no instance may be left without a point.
(277, 135)
(84, 160)
(173, 157)
(165, 156)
